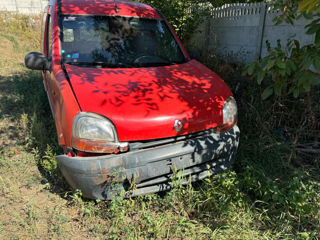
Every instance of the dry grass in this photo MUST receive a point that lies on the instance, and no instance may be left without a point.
(28, 209)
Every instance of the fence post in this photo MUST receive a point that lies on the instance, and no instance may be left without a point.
(263, 12)
(207, 41)
(17, 8)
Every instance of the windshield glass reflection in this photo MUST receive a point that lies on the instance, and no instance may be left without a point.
(120, 42)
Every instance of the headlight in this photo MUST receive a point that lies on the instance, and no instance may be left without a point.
(230, 114)
(93, 127)
(230, 111)
(95, 134)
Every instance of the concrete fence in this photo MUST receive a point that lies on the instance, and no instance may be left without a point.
(238, 32)
(235, 32)
(23, 6)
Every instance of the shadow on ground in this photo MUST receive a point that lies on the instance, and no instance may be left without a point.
(23, 101)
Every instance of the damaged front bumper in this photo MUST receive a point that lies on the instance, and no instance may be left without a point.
(151, 169)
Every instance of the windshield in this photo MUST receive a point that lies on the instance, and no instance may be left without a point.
(112, 41)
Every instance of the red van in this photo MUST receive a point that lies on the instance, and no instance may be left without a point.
(130, 106)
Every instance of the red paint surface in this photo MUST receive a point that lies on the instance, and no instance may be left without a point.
(108, 7)
(143, 103)
(60, 94)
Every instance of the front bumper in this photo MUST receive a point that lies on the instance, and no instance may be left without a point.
(152, 169)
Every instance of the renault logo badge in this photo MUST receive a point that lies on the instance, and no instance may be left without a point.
(178, 126)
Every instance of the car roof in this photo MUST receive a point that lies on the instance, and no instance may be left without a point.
(108, 7)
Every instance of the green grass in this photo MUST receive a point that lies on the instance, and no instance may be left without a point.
(271, 192)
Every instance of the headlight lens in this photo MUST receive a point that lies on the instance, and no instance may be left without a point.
(230, 114)
(93, 127)
(230, 111)
(95, 134)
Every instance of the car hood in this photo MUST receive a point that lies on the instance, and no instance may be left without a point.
(145, 103)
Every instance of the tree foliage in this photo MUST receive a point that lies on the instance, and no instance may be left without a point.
(292, 68)
(181, 14)
(185, 15)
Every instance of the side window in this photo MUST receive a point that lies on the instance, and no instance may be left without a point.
(49, 38)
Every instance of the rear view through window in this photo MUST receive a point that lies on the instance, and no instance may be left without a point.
(117, 42)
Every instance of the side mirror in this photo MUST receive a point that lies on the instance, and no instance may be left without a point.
(36, 61)
(194, 54)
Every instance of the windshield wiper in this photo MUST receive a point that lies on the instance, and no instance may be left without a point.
(154, 64)
(100, 64)
(122, 65)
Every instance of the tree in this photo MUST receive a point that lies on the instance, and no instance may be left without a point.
(180, 15)
(185, 15)
(290, 67)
